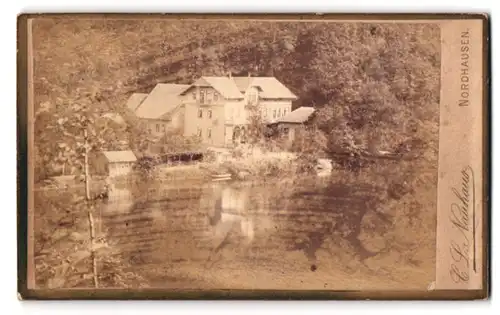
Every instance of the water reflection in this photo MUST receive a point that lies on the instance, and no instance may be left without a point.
(230, 214)
(225, 221)
(182, 223)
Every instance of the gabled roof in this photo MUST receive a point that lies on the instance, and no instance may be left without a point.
(163, 99)
(271, 88)
(135, 100)
(242, 83)
(298, 116)
(224, 85)
(120, 156)
(235, 87)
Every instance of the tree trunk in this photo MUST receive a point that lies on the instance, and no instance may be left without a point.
(86, 166)
(92, 249)
(89, 209)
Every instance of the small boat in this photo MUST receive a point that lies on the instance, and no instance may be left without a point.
(220, 177)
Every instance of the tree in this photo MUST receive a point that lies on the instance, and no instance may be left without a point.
(255, 128)
(174, 141)
(75, 131)
(63, 252)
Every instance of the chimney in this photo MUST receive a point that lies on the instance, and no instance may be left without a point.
(230, 75)
(249, 74)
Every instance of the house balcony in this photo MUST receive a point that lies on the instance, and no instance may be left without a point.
(203, 104)
(235, 122)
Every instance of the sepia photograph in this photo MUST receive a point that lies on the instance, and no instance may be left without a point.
(238, 154)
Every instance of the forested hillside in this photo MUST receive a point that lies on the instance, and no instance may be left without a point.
(375, 85)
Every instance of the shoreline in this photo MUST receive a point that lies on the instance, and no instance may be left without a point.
(202, 173)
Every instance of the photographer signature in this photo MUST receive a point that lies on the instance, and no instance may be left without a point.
(462, 218)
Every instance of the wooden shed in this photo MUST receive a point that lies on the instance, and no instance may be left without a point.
(114, 163)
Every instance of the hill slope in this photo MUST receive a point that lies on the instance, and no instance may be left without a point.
(374, 84)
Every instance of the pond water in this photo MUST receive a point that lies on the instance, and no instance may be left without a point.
(187, 229)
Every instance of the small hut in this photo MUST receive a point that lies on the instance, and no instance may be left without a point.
(293, 122)
(115, 163)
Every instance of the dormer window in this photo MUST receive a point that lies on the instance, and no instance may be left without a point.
(252, 98)
(209, 97)
(253, 95)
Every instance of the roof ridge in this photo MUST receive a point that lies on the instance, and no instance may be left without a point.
(179, 84)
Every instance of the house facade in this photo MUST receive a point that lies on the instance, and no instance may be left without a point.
(218, 109)
(215, 109)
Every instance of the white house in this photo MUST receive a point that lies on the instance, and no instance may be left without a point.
(216, 109)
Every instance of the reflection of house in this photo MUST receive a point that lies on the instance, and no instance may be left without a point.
(230, 210)
(114, 163)
(233, 200)
(216, 109)
(291, 124)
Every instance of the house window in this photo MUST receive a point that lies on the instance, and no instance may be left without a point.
(209, 113)
(216, 96)
(163, 127)
(284, 112)
(194, 95)
(200, 113)
(264, 113)
(157, 127)
(253, 96)
(209, 133)
(286, 130)
(202, 96)
(274, 113)
(279, 112)
(209, 97)
(199, 132)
